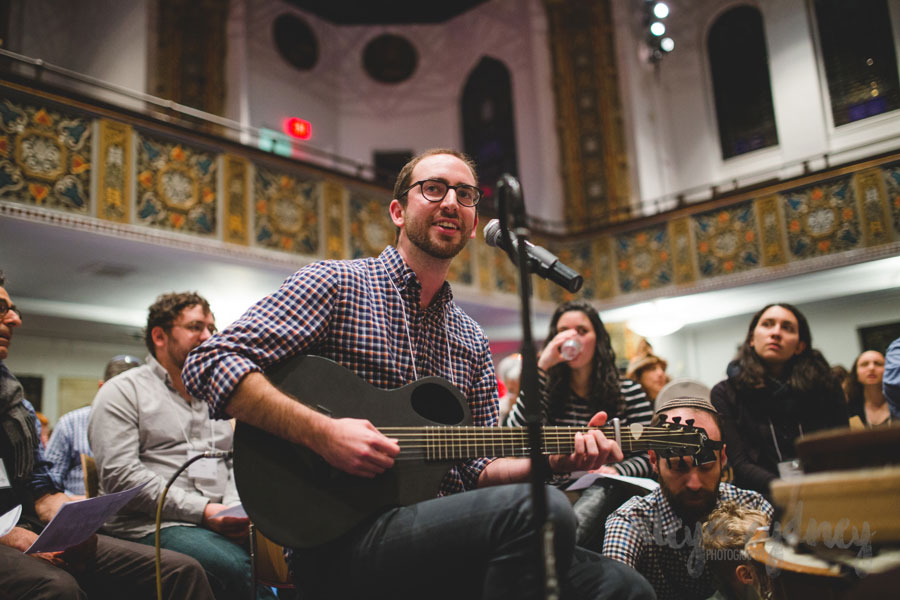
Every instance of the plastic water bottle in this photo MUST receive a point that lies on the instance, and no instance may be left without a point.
(570, 349)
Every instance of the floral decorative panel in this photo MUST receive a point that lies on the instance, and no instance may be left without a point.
(334, 220)
(44, 157)
(286, 211)
(176, 187)
(236, 183)
(871, 194)
(371, 228)
(892, 188)
(726, 240)
(603, 271)
(770, 232)
(682, 253)
(114, 172)
(643, 260)
(821, 218)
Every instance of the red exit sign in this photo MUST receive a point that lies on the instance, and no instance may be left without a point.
(297, 128)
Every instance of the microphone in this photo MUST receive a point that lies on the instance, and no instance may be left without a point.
(541, 261)
(218, 454)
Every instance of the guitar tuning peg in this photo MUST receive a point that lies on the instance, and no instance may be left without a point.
(676, 420)
(690, 423)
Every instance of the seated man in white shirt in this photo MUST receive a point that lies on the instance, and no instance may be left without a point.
(144, 426)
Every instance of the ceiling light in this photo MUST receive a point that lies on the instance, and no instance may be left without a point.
(657, 28)
(667, 44)
(661, 10)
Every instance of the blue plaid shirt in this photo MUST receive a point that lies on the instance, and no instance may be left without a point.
(68, 442)
(353, 312)
(644, 533)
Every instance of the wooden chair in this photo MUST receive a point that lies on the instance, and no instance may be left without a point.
(91, 480)
(267, 563)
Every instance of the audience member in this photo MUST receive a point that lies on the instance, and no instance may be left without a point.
(891, 381)
(725, 535)
(574, 389)
(778, 388)
(865, 390)
(391, 319)
(101, 567)
(70, 440)
(650, 371)
(660, 534)
(509, 371)
(144, 426)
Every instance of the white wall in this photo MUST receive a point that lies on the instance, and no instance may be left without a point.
(353, 115)
(703, 350)
(54, 359)
(106, 39)
(673, 108)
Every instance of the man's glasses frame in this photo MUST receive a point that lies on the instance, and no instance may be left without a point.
(433, 197)
(5, 307)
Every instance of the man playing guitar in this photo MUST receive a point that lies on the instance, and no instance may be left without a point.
(391, 320)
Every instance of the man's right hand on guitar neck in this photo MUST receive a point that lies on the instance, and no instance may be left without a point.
(354, 446)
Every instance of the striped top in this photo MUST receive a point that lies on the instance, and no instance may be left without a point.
(365, 315)
(576, 413)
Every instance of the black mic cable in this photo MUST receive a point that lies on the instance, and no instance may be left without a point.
(162, 500)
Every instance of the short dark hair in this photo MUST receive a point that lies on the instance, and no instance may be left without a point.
(2, 279)
(165, 310)
(404, 179)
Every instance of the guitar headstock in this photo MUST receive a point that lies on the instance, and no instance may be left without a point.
(695, 441)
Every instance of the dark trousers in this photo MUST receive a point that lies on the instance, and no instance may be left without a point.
(472, 545)
(122, 569)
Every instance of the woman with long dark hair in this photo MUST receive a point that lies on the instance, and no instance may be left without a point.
(865, 395)
(779, 388)
(574, 389)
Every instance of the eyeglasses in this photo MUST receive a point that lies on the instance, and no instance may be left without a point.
(197, 327)
(434, 191)
(5, 307)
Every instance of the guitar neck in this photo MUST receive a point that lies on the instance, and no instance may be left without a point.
(457, 443)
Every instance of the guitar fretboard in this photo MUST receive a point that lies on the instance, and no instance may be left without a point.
(457, 443)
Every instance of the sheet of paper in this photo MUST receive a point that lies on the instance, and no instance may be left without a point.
(77, 521)
(232, 511)
(586, 480)
(9, 520)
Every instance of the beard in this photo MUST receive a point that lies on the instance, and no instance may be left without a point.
(691, 507)
(418, 233)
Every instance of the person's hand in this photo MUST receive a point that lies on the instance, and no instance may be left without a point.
(234, 528)
(75, 559)
(605, 470)
(592, 450)
(551, 355)
(356, 447)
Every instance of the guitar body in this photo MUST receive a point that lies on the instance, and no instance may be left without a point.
(294, 497)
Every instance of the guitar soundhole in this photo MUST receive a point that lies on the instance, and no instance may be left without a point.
(435, 403)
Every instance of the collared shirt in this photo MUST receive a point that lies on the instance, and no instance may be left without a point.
(364, 314)
(68, 442)
(645, 534)
(141, 429)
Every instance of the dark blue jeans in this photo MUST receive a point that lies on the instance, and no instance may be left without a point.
(472, 545)
(227, 564)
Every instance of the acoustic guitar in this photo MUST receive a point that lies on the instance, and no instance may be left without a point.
(298, 500)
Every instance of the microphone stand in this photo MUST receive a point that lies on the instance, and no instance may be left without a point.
(162, 500)
(509, 191)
